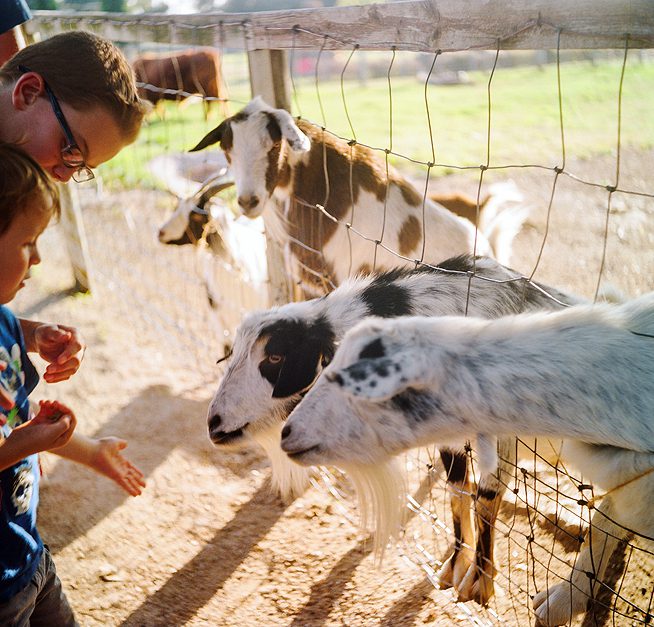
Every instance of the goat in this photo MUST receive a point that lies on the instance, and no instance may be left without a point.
(585, 374)
(327, 188)
(232, 250)
(278, 353)
(191, 221)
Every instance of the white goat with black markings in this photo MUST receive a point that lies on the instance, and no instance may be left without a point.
(278, 354)
(585, 374)
(341, 211)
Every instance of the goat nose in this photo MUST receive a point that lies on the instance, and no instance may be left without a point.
(286, 431)
(214, 422)
(248, 202)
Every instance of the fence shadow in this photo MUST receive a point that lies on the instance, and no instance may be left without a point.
(151, 435)
(328, 590)
(193, 585)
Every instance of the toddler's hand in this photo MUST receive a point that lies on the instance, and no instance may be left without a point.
(52, 427)
(108, 460)
(62, 347)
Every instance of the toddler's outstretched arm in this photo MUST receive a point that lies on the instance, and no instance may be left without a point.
(104, 456)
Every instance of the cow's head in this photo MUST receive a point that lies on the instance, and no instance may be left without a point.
(258, 143)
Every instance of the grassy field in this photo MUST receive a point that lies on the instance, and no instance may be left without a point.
(524, 117)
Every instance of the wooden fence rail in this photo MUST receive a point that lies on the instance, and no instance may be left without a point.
(417, 25)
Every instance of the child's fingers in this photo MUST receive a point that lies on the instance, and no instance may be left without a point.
(133, 481)
(53, 411)
(74, 345)
(54, 373)
(136, 473)
(65, 425)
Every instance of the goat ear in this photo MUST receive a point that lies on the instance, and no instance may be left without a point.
(212, 137)
(296, 139)
(374, 379)
(299, 370)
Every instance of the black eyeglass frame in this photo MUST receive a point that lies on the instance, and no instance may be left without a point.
(82, 172)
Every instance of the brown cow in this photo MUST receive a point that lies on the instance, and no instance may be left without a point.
(177, 75)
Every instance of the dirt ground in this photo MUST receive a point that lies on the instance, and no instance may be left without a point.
(207, 543)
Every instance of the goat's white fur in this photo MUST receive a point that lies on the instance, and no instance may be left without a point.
(585, 374)
(244, 398)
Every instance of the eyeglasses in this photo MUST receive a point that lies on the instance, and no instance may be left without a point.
(71, 155)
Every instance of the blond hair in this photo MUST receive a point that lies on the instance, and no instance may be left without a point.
(24, 185)
(84, 70)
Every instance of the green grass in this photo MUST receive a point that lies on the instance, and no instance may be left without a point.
(524, 122)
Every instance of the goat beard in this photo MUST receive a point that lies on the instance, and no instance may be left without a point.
(288, 479)
(381, 493)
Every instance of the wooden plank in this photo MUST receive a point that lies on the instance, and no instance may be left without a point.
(419, 25)
(72, 224)
(269, 78)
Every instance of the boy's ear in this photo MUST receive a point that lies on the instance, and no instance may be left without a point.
(28, 88)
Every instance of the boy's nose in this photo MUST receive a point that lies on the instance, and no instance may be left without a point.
(62, 173)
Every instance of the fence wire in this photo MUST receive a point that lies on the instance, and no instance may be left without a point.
(546, 509)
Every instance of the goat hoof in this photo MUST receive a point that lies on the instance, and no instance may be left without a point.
(483, 590)
(445, 574)
(558, 605)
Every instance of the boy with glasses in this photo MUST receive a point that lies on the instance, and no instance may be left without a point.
(70, 102)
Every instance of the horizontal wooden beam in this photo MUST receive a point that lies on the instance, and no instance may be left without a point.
(418, 25)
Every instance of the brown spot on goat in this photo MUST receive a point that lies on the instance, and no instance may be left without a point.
(272, 169)
(460, 204)
(410, 235)
(410, 194)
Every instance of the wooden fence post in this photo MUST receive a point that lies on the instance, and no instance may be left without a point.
(73, 230)
(270, 79)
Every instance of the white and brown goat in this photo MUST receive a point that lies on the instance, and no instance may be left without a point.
(336, 208)
(585, 375)
(278, 354)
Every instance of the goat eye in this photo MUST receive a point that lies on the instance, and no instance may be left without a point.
(274, 359)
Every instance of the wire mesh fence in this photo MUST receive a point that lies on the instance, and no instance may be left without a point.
(570, 130)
